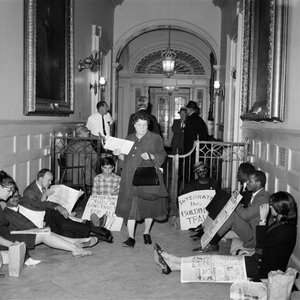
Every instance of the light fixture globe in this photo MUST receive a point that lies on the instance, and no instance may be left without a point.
(168, 61)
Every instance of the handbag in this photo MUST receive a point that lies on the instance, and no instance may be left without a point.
(146, 175)
(150, 192)
(16, 254)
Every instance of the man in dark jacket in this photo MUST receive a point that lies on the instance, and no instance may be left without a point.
(142, 105)
(195, 127)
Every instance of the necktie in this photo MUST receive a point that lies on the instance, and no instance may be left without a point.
(103, 126)
(43, 190)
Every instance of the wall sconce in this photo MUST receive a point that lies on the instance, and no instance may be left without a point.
(91, 62)
(219, 90)
(101, 85)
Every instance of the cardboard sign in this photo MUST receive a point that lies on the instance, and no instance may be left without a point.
(217, 223)
(100, 205)
(192, 210)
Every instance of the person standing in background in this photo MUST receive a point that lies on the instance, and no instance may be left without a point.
(177, 143)
(100, 123)
(142, 105)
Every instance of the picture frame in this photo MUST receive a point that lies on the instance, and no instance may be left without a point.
(264, 60)
(49, 57)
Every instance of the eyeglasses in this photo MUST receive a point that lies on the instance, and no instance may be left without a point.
(8, 188)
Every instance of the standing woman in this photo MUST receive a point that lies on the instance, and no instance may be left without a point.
(130, 207)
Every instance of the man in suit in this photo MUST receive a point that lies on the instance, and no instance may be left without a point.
(142, 105)
(243, 221)
(178, 125)
(195, 127)
(57, 217)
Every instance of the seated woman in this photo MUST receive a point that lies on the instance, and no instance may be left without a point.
(275, 243)
(9, 192)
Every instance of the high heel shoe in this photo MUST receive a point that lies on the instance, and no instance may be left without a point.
(147, 239)
(160, 260)
(81, 252)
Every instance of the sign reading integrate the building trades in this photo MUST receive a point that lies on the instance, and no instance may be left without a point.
(101, 205)
(224, 214)
(192, 206)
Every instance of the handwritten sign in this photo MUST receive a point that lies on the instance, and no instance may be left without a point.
(213, 268)
(103, 204)
(192, 210)
(224, 214)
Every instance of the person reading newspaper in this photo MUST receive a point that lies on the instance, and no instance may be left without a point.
(275, 240)
(57, 217)
(8, 192)
(243, 221)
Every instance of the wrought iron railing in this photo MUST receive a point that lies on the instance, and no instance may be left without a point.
(223, 159)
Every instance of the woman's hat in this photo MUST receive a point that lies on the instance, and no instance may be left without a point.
(192, 104)
(183, 108)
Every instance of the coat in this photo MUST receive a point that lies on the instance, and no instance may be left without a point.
(151, 143)
(177, 142)
(274, 246)
(194, 127)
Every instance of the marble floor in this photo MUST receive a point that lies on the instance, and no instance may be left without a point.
(112, 272)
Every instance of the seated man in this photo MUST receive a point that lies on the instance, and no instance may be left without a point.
(203, 181)
(35, 198)
(243, 221)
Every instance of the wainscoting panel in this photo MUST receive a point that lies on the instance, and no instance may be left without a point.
(25, 148)
(277, 153)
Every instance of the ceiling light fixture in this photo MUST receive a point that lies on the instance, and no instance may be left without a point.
(168, 56)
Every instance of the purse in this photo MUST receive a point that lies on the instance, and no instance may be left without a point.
(146, 175)
(153, 191)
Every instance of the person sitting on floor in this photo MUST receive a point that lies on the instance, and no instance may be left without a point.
(107, 182)
(56, 217)
(274, 243)
(243, 221)
(7, 188)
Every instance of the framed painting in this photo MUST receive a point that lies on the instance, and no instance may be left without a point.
(264, 60)
(49, 61)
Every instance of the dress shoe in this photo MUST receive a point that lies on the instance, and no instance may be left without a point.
(208, 248)
(147, 239)
(165, 269)
(198, 235)
(105, 235)
(90, 242)
(130, 242)
(198, 228)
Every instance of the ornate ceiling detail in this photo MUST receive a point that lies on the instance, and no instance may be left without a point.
(185, 64)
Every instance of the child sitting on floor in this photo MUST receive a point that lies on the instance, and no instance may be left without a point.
(106, 183)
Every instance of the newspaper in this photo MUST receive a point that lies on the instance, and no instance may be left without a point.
(65, 196)
(103, 204)
(45, 230)
(192, 210)
(213, 268)
(245, 290)
(36, 217)
(113, 143)
(224, 214)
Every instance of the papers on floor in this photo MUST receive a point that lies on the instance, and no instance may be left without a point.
(103, 204)
(213, 268)
(36, 217)
(192, 210)
(113, 143)
(45, 230)
(224, 214)
(245, 290)
(65, 196)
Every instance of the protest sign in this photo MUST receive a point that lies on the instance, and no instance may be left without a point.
(213, 268)
(100, 205)
(224, 214)
(192, 210)
(65, 196)
(245, 290)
